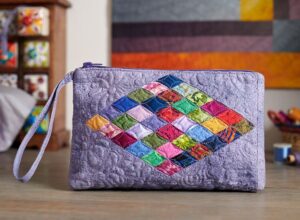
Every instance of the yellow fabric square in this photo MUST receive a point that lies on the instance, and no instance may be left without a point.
(97, 122)
(214, 125)
(257, 10)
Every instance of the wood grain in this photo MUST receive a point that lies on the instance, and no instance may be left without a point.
(48, 196)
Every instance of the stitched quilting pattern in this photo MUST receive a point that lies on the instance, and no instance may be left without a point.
(169, 124)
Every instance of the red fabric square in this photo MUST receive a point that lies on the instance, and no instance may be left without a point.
(124, 139)
(169, 114)
(230, 117)
(168, 168)
(200, 151)
(170, 96)
(169, 132)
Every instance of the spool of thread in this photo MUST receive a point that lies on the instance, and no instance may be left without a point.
(294, 159)
(281, 152)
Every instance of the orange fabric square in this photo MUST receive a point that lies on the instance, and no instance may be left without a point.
(97, 122)
(230, 117)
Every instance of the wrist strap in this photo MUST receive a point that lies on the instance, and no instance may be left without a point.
(51, 101)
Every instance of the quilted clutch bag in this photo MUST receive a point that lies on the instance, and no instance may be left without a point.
(161, 129)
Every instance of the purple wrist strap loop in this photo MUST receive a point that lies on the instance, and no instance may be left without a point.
(51, 101)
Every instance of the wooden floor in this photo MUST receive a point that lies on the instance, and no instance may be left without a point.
(48, 196)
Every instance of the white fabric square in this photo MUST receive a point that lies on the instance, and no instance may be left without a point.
(183, 123)
(139, 113)
(139, 131)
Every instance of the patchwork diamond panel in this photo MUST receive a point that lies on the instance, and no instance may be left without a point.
(169, 124)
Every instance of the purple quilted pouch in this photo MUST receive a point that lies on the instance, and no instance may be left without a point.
(162, 129)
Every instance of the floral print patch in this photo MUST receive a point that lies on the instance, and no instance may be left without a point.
(169, 124)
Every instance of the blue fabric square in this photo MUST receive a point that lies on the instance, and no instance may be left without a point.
(199, 133)
(153, 123)
(214, 143)
(155, 104)
(184, 159)
(138, 149)
(110, 113)
(124, 104)
(170, 81)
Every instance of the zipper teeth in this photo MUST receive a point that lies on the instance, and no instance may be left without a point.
(120, 68)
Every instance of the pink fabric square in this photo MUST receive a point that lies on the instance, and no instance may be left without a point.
(214, 108)
(110, 130)
(155, 88)
(168, 150)
(183, 123)
(139, 113)
(168, 168)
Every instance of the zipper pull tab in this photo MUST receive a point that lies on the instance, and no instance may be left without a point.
(90, 64)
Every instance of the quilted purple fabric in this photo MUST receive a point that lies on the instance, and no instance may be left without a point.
(97, 162)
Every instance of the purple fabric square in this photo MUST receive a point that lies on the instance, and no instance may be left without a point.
(153, 123)
(110, 113)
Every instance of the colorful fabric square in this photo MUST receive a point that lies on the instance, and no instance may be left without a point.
(124, 121)
(169, 129)
(214, 125)
(169, 114)
(169, 132)
(153, 158)
(199, 98)
(139, 149)
(167, 167)
(124, 104)
(168, 150)
(230, 117)
(214, 143)
(140, 95)
(185, 106)
(110, 130)
(139, 131)
(154, 141)
(199, 133)
(199, 116)
(4, 16)
(229, 134)
(154, 104)
(185, 89)
(36, 85)
(243, 126)
(155, 88)
(170, 96)
(43, 127)
(153, 123)
(214, 108)
(139, 113)
(110, 113)
(10, 57)
(97, 122)
(184, 160)
(183, 123)
(9, 80)
(124, 139)
(200, 151)
(170, 81)
(184, 142)
(36, 54)
(33, 21)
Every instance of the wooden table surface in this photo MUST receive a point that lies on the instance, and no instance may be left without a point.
(48, 196)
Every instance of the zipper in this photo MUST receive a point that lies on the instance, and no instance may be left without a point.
(90, 65)
(99, 65)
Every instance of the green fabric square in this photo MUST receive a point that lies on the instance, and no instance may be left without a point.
(184, 142)
(140, 95)
(199, 116)
(185, 106)
(153, 140)
(199, 98)
(153, 158)
(124, 121)
(243, 126)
